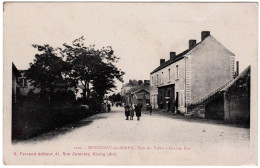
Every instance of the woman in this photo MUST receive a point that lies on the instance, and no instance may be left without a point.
(127, 111)
(132, 109)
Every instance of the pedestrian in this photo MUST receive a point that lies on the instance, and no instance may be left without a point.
(127, 111)
(138, 111)
(108, 107)
(151, 109)
(132, 109)
(161, 105)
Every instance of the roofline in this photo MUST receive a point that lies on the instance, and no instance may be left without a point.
(178, 59)
(238, 77)
(180, 56)
(138, 90)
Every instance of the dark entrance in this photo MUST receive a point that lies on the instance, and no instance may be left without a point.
(166, 97)
(176, 103)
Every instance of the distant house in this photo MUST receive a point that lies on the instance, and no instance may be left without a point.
(191, 75)
(141, 96)
(128, 88)
(139, 93)
(15, 75)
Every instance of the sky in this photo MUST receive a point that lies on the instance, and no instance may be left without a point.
(140, 33)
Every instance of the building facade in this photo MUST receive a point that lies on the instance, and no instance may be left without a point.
(139, 93)
(189, 76)
(25, 85)
(15, 76)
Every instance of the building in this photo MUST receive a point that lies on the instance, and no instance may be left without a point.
(15, 76)
(191, 75)
(230, 102)
(139, 93)
(128, 88)
(25, 85)
(236, 98)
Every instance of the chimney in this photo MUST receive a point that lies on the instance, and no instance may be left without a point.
(162, 61)
(146, 81)
(237, 68)
(192, 43)
(204, 34)
(172, 55)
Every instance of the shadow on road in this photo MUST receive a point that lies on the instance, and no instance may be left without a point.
(62, 130)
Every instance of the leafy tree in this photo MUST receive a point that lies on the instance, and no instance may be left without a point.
(115, 97)
(91, 67)
(46, 70)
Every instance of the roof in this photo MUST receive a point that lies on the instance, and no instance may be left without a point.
(141, 96)
(175, 59)
(15, 70)
(140, 89)
(134, 88)
(241, 75)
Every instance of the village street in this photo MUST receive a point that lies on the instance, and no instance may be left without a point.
(157, 131)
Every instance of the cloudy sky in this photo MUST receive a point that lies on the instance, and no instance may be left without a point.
(140, 33)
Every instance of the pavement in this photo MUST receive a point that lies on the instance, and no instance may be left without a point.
(205, 138)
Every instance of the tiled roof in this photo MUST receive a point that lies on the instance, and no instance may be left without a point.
(175, 59)
(142, 88)
(15, 70)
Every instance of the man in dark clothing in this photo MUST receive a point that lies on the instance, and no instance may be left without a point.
(127, 111)
(138, 111)
(151, 109)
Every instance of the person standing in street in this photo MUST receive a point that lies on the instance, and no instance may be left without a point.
(138, 111)
(150, 109)
(108, 107)
(127, 111)
(132, 109)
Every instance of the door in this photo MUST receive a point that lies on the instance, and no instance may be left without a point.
(172, 99)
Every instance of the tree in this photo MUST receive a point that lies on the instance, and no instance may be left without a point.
(115, 97)
(46, 70)
(89, 66)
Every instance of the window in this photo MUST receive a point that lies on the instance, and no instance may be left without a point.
(169, 73)
(156, 79)
(177, 72)
(162, 78)
(23, 82)
(152, 81)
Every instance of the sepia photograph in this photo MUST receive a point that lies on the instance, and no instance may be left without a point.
(121, 83)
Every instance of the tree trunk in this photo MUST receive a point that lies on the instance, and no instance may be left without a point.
(88, 92)
(84, 96)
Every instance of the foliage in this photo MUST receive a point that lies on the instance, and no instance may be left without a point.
(90, 66)
(46, 70)
(115, 97)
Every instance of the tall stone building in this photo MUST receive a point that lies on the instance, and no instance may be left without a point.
(191, 75)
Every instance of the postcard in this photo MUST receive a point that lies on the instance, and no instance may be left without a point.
(113, 83)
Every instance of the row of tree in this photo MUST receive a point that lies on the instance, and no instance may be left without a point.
(115, 97)
(78, 66)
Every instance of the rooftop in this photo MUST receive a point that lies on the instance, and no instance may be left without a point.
(175, 59)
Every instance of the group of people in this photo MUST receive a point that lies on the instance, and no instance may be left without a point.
(131, 109)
